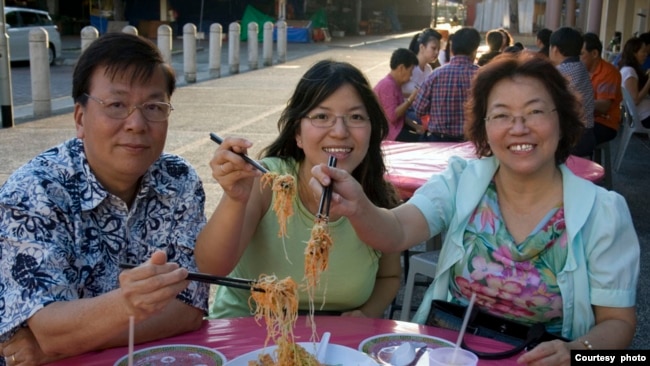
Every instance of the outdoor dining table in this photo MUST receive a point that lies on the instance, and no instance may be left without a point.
(236, 336)
(411, 164)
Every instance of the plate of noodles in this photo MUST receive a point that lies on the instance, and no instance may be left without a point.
(336, 355)
(175, 354)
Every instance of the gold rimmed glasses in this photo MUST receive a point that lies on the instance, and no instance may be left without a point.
(533, 118)
(152, 111)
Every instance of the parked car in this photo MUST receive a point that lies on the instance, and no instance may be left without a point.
(22, 20)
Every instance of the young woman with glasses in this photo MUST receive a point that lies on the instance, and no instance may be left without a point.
(333, 112)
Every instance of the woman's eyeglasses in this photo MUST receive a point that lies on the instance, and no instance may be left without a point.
(530, 119)
(152, 111)
(326, 120)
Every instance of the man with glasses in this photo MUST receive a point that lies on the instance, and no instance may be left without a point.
(74, 213)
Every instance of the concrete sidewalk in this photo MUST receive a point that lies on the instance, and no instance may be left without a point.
(61, 74)
(249, 104)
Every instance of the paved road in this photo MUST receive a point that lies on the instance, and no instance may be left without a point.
(60, 82)
(61, 74)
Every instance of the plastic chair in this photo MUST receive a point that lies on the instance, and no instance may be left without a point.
(406, 260)
(433, 244)
(631, 125)
(603, 156)
(424, 264)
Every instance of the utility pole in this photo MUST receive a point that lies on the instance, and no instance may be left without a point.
(6, 103)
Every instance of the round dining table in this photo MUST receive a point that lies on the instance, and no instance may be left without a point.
(236, 336)
(411, 164)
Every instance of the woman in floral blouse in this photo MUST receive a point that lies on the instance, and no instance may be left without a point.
(532, 240)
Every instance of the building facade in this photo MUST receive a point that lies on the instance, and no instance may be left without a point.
(604, 17)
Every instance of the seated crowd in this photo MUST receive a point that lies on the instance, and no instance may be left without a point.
(435, 99)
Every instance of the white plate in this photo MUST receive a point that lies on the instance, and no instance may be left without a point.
(175, 354)
(336, 355)
(381, 346)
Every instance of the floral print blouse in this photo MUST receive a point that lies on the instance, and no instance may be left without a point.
(515, 281)
(63, 235)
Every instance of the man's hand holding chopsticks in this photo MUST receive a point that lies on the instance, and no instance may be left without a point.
(149, 288)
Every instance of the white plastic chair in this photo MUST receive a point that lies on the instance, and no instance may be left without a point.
(631, 125)
(433, 245)
(425, 264)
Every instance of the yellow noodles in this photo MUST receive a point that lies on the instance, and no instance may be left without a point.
(285, 188)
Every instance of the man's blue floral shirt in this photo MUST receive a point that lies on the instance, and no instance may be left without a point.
(62, 235)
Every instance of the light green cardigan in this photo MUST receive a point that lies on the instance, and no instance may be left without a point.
(602, 266)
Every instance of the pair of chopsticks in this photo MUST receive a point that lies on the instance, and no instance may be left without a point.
(214, 137)
(215, 280)
(326, 197)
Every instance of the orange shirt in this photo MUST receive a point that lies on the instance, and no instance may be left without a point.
(606, 80)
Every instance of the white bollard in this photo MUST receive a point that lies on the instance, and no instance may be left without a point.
(234, 31)
(267, 44)
(39, 66)
(253, 45)
(214, 61)
(88, 35)
(165, 42)
(189, 52)
(642, 14)
(130, 30)
(282, 41)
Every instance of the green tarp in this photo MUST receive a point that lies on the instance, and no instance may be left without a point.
(253, 15)
(319, 19)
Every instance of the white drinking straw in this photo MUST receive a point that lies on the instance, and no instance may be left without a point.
(131, 336)
(322, 347)
(468, 312)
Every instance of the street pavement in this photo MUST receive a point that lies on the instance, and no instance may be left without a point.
(61, 73)
(249, 104)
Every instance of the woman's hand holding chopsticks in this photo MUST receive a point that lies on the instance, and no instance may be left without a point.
(347, 194)
(214, 137)
(223, 240)
(326, 197)
(232, 168)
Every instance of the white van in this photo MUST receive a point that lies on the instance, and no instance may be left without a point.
(22, 20)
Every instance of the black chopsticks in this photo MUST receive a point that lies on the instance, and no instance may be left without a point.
(214, 137)
(326, 197)
(215, 280)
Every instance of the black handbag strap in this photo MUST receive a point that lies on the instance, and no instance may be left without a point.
(535, 333)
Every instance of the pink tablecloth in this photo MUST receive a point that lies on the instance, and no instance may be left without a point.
(234, 337)
(411, 164)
